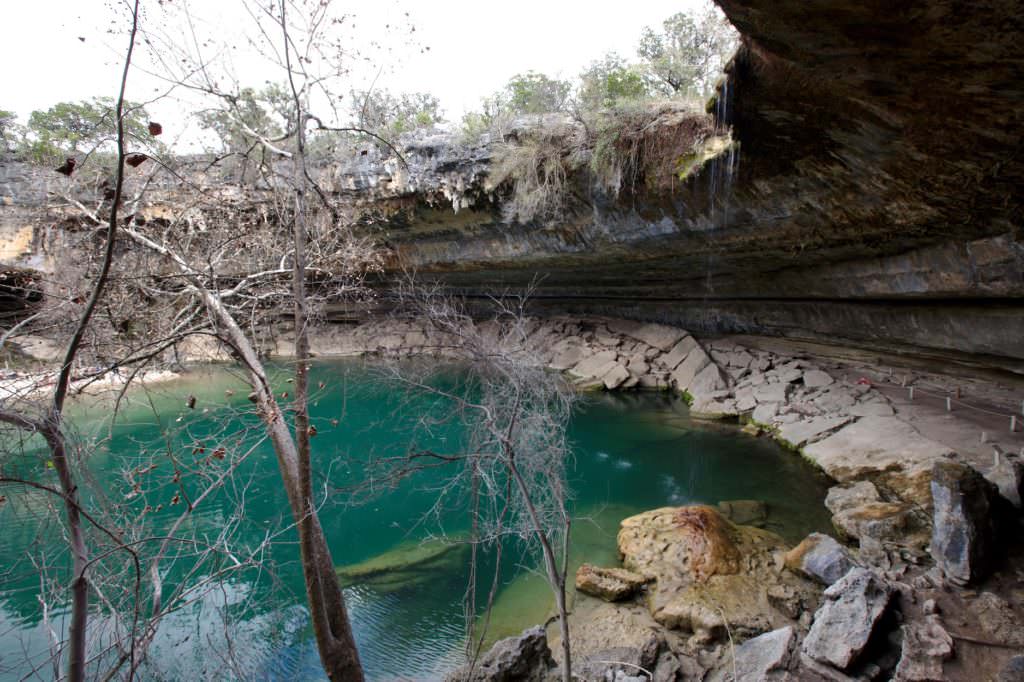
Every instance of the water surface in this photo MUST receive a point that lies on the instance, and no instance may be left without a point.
(631, 453)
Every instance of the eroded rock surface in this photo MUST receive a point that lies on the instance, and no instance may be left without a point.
(711, 574)
(846, 621)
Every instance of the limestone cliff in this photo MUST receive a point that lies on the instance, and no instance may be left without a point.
(872, 196)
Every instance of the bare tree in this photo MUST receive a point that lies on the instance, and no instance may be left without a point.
(516, 412)
(51, 425)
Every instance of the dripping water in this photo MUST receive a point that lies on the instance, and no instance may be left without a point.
(722, 170)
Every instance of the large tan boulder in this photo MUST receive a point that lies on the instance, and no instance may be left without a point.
(711, 576)
(695, 541)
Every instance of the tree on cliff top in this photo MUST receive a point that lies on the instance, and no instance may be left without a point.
(77, 128)
(689, 53)
(610, 81)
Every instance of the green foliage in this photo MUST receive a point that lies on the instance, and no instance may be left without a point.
(533, 93)
(687, 55)
(76, 128)
(390, 115)
(9, 130)
(609, 82)
(251, 113)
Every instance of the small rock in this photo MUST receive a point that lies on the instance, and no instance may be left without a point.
(765, 657)
(815, 378)
(844, 624)
(526, 658)
(926, 645)
(963, 527)
(764, 413)
(609, 584)
(820, 558)
(744, 512)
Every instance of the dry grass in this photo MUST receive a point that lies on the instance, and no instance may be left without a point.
(640, 147)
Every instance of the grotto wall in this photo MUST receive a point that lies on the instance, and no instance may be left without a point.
(872, 197)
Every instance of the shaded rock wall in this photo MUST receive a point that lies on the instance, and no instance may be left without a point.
(874, 199)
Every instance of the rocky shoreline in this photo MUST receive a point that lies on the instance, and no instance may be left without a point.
(919, 583)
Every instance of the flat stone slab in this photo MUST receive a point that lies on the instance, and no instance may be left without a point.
(757, 658)
(879, 444)
(798, 434)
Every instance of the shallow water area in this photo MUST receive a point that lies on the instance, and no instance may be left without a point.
(631, 453)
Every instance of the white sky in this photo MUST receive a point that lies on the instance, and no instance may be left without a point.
(475, 46)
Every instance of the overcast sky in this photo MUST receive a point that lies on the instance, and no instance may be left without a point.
(474, 46)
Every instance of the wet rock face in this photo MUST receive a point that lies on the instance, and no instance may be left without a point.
(964, 522)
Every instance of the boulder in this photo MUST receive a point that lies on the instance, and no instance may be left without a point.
(594, 366)
(524, 658)
(820, 558)
(815, 378)
(660, 336)
(847, 619)
(712, 577)
(800, 433)
(615, 377)
(674, 357)
(567, 356)
(842, 497)
(1008, 477)
(708, 381)
(694, 540)
(963, 523)
(609, 584)
(926, 645)
(772, 393)
(880, 521)
(685, 373)
(765, 657)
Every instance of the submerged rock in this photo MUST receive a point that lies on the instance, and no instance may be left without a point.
(820, 558)
(744, 512)
(407, 566)
(525, 658)
(963, 526)
(847, 619)
(609, 584)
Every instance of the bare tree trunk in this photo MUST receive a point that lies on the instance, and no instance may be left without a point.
(556, 578)
(331, 627)
(52, 425)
